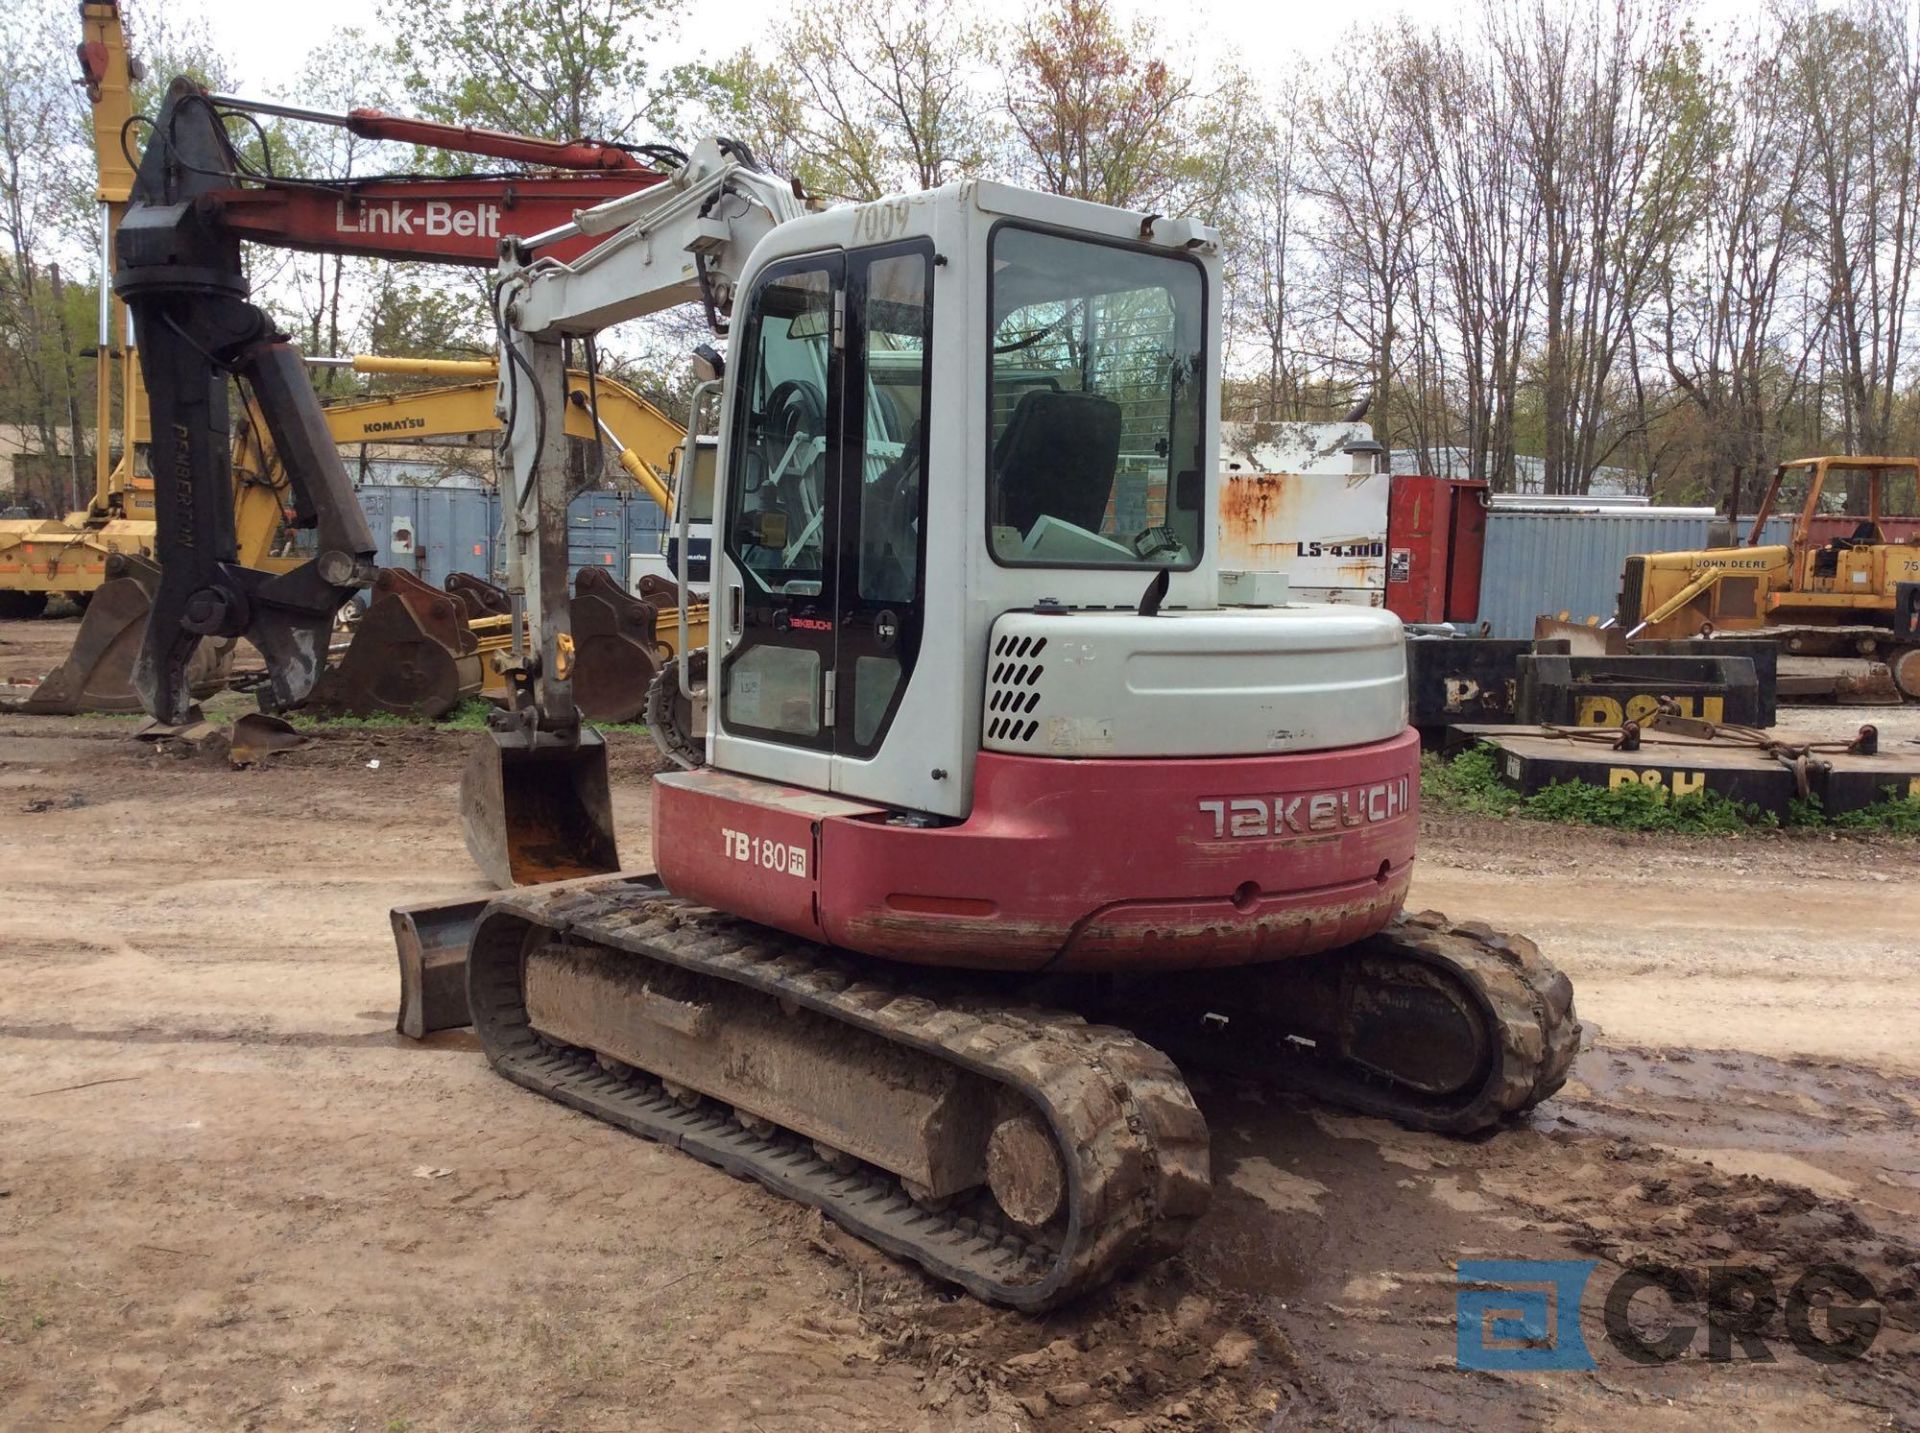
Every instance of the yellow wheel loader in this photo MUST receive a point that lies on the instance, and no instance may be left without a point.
(1841, 595)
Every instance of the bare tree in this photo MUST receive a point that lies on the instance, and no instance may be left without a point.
(1097, 113)
(1720, 336)
(866, 97)
(1596, 92)
(1857, 86)
(1367, 180)
(1266, 288)
(1483, 217)
(40, 195)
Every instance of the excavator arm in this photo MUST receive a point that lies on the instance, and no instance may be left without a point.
(686, 241)
(179, 274)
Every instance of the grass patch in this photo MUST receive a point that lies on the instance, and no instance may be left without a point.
(1646, 808)
(1471, 784)
(1898, 815)
(470, 715)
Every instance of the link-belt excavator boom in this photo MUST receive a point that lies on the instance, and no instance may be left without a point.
(994, 791)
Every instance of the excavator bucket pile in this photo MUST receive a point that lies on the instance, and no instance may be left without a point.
(412, 655)
(618, 650)
(535, 807)
(660, 592)
(97, 675)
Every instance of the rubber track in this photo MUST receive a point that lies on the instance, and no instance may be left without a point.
(1525, 1000)
(1134, 1146)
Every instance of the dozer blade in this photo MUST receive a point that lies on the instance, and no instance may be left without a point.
(97, 675)
(411, 655)
(1859, 681)
(431, 941)
(617, 650)
(536, 809)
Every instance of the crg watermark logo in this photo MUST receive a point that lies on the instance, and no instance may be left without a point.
(1524, 1314)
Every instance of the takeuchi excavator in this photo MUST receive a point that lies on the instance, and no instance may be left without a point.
(994, 791)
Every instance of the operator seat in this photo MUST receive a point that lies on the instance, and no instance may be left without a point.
(1058, 454)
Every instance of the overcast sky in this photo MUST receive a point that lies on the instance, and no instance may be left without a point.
(268, 42)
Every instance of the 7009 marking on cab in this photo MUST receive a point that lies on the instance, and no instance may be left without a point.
(767, 854)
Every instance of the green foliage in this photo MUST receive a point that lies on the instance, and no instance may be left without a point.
(470, 715)
(556, 68)
(1805, 811)
(1471, 784)
(379, 721)
(1634, 807)
(1898, 815)
(413, 310)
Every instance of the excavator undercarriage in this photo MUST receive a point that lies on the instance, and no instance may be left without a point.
(1024, 1137)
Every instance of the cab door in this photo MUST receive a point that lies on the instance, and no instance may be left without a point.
(879, 612)
(823, 539)
(777, 585)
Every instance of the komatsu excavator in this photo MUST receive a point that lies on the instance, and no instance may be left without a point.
(994, 787)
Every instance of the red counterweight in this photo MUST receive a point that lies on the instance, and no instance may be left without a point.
(1223, 860)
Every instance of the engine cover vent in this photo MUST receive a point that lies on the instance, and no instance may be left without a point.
(1013, 690)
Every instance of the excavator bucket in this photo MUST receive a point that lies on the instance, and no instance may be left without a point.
(617, 651)
(97, 675)
(535, 808)
(660, 592)
(411, 655)
(479, 597)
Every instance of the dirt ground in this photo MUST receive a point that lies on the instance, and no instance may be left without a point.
(231, 1196)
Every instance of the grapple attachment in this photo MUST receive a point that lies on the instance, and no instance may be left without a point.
(535, 807)
(97, 675)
